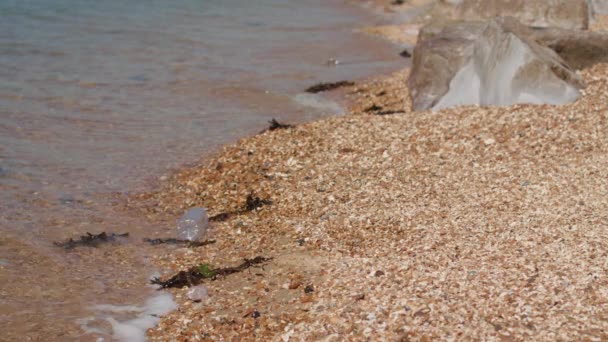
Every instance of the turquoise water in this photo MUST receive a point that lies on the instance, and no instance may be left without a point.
(101, 97)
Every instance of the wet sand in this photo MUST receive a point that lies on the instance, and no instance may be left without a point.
(466, 223)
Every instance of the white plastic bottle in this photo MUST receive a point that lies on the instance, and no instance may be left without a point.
(193, 225)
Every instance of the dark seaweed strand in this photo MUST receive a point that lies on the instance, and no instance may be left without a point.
(193, 277)
(274, 124)
(320, 87)
(90, 240)
(251, 203)
(172, 241)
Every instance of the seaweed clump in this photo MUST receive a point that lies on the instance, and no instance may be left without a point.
(321, 87)
(372, 108)
(377, 110)
(405, 53)
(172, 241)
(251, 203)
(254, 202)
(389, 112)
(195, 275)
(274, 124)
(90, 240)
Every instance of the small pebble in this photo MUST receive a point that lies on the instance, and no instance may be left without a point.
(198, 293)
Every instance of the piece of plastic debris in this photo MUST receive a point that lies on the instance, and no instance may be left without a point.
(332, 62)
(198, 293)
(193, 225)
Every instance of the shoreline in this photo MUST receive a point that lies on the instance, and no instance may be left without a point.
(344, 97)
(69, 173)
(471, 222)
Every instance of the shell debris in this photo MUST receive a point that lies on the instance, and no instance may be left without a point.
(466, 223)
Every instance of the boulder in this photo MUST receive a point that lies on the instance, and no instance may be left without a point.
(598, 6)
(490, 63)
(569, 14)
(441, 51)
(578, 48)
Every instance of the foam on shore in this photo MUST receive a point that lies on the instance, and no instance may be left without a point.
(131, 330)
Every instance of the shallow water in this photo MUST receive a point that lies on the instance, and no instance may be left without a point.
(103, 97)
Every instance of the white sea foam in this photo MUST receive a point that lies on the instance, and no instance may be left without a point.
(318, 102)
(131, 330)
(134, 330)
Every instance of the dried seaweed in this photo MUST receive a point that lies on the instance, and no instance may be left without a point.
(222, 216)
(254, 202)
(372, 108)
(172, 241)
(195, 275)
(182, 278)
(389, 112)
(405, 53)
(90, 240)
(274, 124)
(251, 203)
(321, 87)
(377, 110)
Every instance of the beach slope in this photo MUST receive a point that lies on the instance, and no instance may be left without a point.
(473, 222)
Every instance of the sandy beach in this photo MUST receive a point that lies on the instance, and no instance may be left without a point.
(485, 223)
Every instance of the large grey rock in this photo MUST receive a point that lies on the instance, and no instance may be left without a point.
(570, 14)
(491, 63)
(598, 6)
(578, 48)
(440, 52)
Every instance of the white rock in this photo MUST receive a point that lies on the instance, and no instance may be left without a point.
(506, 68)
(598, 6)
(198, 293)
